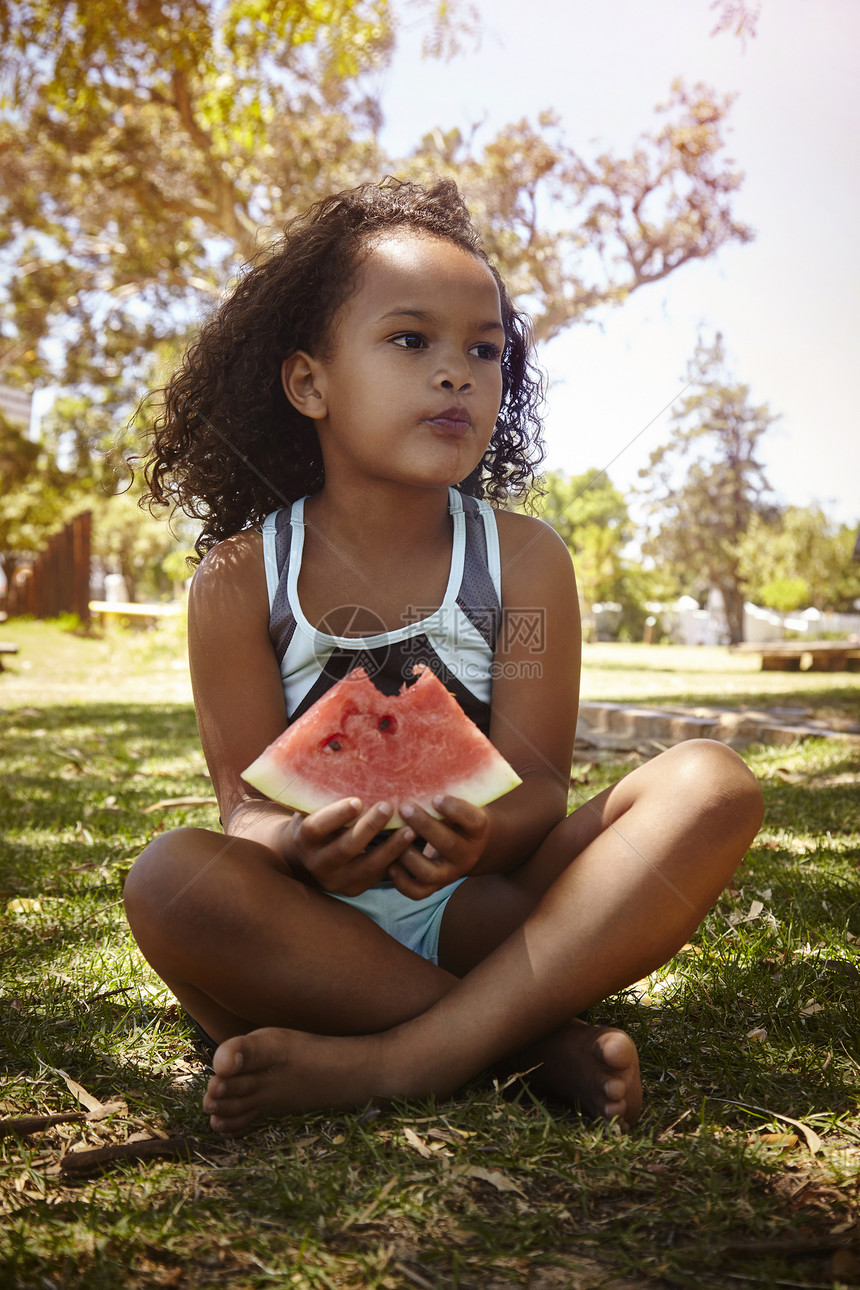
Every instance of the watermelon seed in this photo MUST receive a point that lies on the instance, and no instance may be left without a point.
(334, 745)
(386, 723)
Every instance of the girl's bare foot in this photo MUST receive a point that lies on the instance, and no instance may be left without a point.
(595, 1068)
(281, 1072)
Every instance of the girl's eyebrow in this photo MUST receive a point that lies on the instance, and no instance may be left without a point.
(426, 315)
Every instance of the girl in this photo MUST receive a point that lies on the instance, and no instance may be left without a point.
(339, 426)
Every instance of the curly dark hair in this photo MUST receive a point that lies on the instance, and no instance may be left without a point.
(227, 446)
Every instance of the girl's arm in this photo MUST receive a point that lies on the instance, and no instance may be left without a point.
(535, 688)
(533, 721)
(239, 699)
(237, 688)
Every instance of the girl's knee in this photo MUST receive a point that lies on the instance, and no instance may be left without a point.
(160, 871)
(715, 776)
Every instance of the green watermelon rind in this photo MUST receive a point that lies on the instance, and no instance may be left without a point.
(261, 774)
(492, 778)
(492, 781)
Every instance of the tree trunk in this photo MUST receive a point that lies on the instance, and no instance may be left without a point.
(734, 602)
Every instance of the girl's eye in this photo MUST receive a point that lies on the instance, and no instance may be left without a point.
(492, 353)
(409, 340)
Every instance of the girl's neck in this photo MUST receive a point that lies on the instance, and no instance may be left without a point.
(391, 520)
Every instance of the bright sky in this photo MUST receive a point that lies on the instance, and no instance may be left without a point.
(787, 303)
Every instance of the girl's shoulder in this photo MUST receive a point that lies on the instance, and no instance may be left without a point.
(530, 547)
(231, 574)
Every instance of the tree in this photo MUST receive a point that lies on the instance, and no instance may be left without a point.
(635, 220)
(145, 550)
(38, 495)
(706, 485)
(590, 514)
(147, 147)
(151, 145)
(799, 560)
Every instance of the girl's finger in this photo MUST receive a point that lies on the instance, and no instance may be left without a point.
(321, 824)
(411, 879)
(429, 870)
(369, 824)
(355, 872)
(444, 838)
(471, 819)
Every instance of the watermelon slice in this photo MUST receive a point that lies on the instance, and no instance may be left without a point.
(358, 742)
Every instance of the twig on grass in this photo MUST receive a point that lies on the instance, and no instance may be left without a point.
(80, 1164)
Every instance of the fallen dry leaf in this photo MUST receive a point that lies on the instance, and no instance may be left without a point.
(169, 803)
(78, 1091)
(24, 905)
(417, 1145)
(779, 1139)
(101, 1112)
(495, 1178)
(812, 1139)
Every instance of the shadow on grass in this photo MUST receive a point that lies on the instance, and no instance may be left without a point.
(103, 717)
(75, 783)
(112, 1044)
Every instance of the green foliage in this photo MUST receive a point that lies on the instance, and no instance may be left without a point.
(38, 495)
(783, 594)
(146, 550)
(800, 559)
(148, 147)
(590, 514)
(706, 484)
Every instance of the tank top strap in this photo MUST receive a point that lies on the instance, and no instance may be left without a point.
(270, 554)
(479, 595)
(491, 536)
(277, 534)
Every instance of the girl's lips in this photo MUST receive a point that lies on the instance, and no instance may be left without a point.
(455, 421)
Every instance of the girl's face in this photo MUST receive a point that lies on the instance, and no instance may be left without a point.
(412, 386)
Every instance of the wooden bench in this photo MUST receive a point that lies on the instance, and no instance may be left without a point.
(804, 656)
(141, 614)
(6, 647)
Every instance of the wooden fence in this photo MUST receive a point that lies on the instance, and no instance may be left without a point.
(58, 580)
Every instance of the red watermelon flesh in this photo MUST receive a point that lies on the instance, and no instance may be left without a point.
(358, 742)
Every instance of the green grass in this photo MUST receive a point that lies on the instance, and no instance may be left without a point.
(681, 674)
(491, 1188)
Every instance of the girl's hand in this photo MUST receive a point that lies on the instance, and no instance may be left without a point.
(455, 844)
(329, 845)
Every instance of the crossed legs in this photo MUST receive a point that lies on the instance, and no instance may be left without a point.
(611, 894)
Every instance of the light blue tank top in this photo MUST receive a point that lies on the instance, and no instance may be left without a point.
(457, 640)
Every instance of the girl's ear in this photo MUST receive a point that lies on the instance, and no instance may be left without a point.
(301, 379)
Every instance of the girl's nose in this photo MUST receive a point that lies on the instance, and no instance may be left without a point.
(454, 374)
